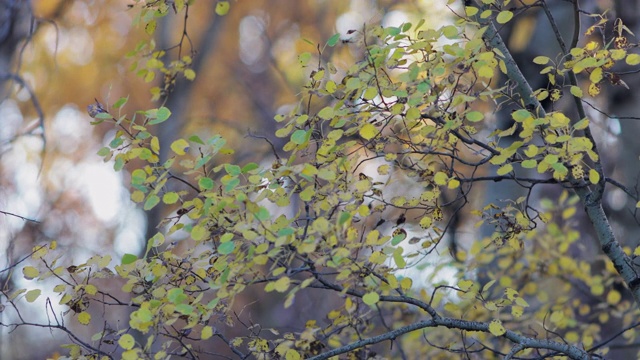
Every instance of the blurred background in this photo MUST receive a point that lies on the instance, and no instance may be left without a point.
(57, 56)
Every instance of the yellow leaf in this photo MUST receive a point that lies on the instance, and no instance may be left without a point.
(406, 283)
(179, 146)
(84, 318)
(170, 198)
(199, 233)
(613, 297)
(331, 86)
(504, 17)
(30, 272)
(126, 342)
(470, 10)
(137, 196)
(32, 295)
(505, 169)
(440, 178)
(568, 212)
(496, 328)
(155, 144)
(485, 72)
(189, 74)
(150, 28)
(597, 289)
(222, 8)
(377, 257)
(556, 317)
(453, 184)
(633, 59)
(370, 93)
(91, 289)
(368, 131)
(594, 176)
(541, 60)
(576, 91)
(131, 355)
(38, 252)
(596, 75)
(517, 311)
(522, 302)
(282, 284)
(465, 285)
(292, 354)
(206, 332)
(582, 124)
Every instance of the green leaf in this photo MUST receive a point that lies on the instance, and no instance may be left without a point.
(151, 202)
(474, 116)
(162, 114)
(196, 139)
(326, 113)
(344, 217)
(176, 295)
(333, 40)
(450, 32)
(304, 58)
(263, 214)
(299, 137)
(128, 259)
(398, 258)
(120, 102)
(397, 239)
(170, 198)
(248, 167)
(371, 298)
(521, 115)
(205, 183)
(184, 309)
(104, 151)
(226, 248)
(370, 93)
(233, 170)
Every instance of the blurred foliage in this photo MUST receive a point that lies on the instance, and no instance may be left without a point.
(386, 132)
